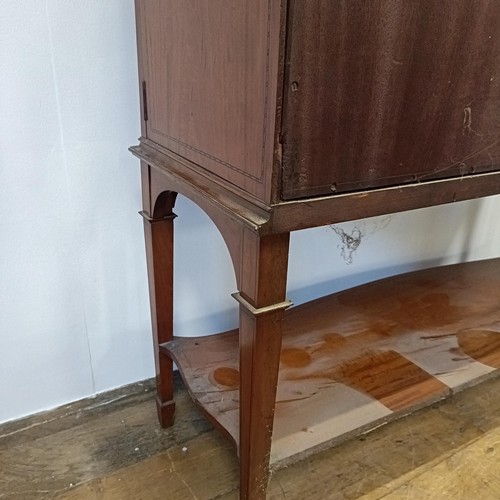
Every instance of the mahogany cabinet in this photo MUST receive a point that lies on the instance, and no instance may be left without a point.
(276, 115)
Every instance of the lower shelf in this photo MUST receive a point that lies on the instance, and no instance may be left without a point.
(361, 357)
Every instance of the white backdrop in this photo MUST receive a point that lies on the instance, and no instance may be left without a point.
(74, 314)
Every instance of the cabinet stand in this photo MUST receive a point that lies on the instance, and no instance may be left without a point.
(322, 371)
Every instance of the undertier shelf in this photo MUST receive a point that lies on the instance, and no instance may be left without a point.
(358, 358)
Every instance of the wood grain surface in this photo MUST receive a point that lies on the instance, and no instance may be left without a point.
(388, 92)
(360, 357)
(112, 448)
(210, 73)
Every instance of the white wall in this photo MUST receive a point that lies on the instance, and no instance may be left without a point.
(74, 314)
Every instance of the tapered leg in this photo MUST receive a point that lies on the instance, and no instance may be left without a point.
(159, 236)
(262, 304)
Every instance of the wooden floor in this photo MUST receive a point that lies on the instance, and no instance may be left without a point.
(111, 447)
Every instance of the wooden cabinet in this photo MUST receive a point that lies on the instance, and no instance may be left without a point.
(275, 116)
(389, 92)
(314, 97)
(210, 74)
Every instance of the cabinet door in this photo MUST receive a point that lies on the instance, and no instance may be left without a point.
(210, 73)
(384, 92)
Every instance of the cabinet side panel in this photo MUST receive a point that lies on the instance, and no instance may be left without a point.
(211, 77)
(386, 92)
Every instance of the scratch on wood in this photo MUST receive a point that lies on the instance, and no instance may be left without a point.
(467, 123)
(453, 164)
(182, 480)
(466, 126)
(36, 424)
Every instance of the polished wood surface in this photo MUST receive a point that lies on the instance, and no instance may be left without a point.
(210, 76)
(360, 357)
(263, 274)
(260, 266)
(287, 100)
(181, 176)
(159, 238)
(274, 116)
(389, 92)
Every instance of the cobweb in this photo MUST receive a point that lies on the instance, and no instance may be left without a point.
(362, 230)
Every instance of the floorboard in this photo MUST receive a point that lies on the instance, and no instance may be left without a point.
(111, 447)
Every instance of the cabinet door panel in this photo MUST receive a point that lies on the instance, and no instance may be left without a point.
(384, 92)
(210, 75)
